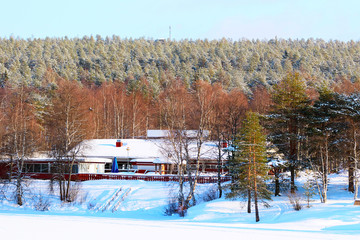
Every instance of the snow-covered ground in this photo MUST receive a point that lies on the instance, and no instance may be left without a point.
(134, 209)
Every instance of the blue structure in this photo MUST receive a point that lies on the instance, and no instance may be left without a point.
(114, 166)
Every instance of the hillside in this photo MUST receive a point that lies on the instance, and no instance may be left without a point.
(242, 63)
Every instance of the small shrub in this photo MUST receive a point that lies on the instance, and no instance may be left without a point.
(182, 210)
(41, 203)
(75, 194)
(295, 201)
(210, 195)
(309, 187)
(51, 185)
(3, 190)
(174, 207)
(91, 205)
(82, 197)
(171, 208)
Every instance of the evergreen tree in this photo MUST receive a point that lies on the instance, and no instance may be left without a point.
(322, 129)
(290, 102)
(248, 168)
(348, 110)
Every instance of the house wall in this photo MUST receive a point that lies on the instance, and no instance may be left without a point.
(92, 168)
(143, 166)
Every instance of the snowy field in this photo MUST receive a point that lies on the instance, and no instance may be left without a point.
(134, 209)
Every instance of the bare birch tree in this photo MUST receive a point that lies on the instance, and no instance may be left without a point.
(67, 126)
(20, 139)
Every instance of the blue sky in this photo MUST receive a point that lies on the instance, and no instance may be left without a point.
(189, 19)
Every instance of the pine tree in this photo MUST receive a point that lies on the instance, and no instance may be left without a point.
(348, 109)
(321, 130)
(248, 168)
(290, 101)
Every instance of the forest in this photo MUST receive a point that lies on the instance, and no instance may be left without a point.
(234, 64)
(54, 93)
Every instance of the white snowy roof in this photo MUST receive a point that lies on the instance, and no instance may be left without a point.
(131, 148)
(166, 133)
(151, 160)
(157, 133)
(140, 149)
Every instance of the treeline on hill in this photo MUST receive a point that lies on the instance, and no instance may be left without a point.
(234, 64)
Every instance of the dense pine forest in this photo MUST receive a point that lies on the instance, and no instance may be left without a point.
(235, 64)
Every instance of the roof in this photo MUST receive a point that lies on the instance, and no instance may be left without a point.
(166, 133)
(157, 133)
(157, 150)
(131, 148)
(149, 160)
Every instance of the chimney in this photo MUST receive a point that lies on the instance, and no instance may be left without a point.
(119, 143)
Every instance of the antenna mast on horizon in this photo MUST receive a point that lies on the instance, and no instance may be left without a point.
(169, 33)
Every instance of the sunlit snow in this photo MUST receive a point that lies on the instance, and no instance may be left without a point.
(134, 209)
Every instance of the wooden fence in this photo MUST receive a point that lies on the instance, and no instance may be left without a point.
(150, 178)
(114, 176)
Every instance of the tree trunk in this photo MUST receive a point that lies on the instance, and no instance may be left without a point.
(11, 168)
(19, 183)
(249, 185)
(193, 182)
(219, 168)
(19, 190)
(292, 178)
(355, 164)
(293, 152)
(68, 184)
(256, 205)
(277, 182)
(324, 168)
(61, 190)
(249, 202)
(351, 187)
(181, 199)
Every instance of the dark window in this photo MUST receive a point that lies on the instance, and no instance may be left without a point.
(44, 168)
(108, 167)
(29, 168)
(37, 168)
(63, 168)
(75, 169)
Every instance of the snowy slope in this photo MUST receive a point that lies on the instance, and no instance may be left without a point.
(135, 209)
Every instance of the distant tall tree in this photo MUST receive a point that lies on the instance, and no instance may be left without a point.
(174, 116)
(261, 100)
(321, 130)
(109, 108)
(67, 125)
(204, 98)
(249, 169)
(348, 108)
(21, 136)
(183, 110)
(235, 107)
(219, 130)
(290, 100)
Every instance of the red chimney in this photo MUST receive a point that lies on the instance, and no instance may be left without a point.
(119, 143)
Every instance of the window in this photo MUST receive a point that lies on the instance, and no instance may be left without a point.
(29, 167)
(75, 169)
(37, 167)
(108, 167)
(44, 168)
